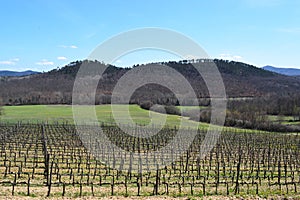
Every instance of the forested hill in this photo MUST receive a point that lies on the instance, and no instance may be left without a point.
(55, 87)
(284, 71)
(14, 73)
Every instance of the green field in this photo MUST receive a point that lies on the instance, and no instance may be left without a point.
(63, 113)
(188, 108)
(287, 120)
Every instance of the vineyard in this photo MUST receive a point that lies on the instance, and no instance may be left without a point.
(50, 160)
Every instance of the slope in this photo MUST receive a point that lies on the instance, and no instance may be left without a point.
(55, 87)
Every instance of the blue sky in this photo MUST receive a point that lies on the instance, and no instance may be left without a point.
(43, 34)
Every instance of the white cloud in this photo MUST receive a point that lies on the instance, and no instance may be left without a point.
(63, 46)
(227, 56)
(191, 57)
(16, 59)
(9, 62)
(118, 62)
(61, 58)
(44, 62)
(70, 46)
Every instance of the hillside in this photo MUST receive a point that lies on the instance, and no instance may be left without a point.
(55, 87)
(284, 71)
(14, 73)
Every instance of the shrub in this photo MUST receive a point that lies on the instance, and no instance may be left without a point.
(146, 105)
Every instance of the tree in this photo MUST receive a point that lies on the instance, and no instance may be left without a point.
(296, 113)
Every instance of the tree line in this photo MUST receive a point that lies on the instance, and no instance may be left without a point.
(244, 113)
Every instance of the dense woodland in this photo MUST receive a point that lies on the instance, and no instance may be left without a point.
(55, 87)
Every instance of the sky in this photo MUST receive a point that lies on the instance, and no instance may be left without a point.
(43, 35)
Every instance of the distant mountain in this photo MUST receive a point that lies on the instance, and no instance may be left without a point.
(14, 73)
(56, 86)
(284, 71)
